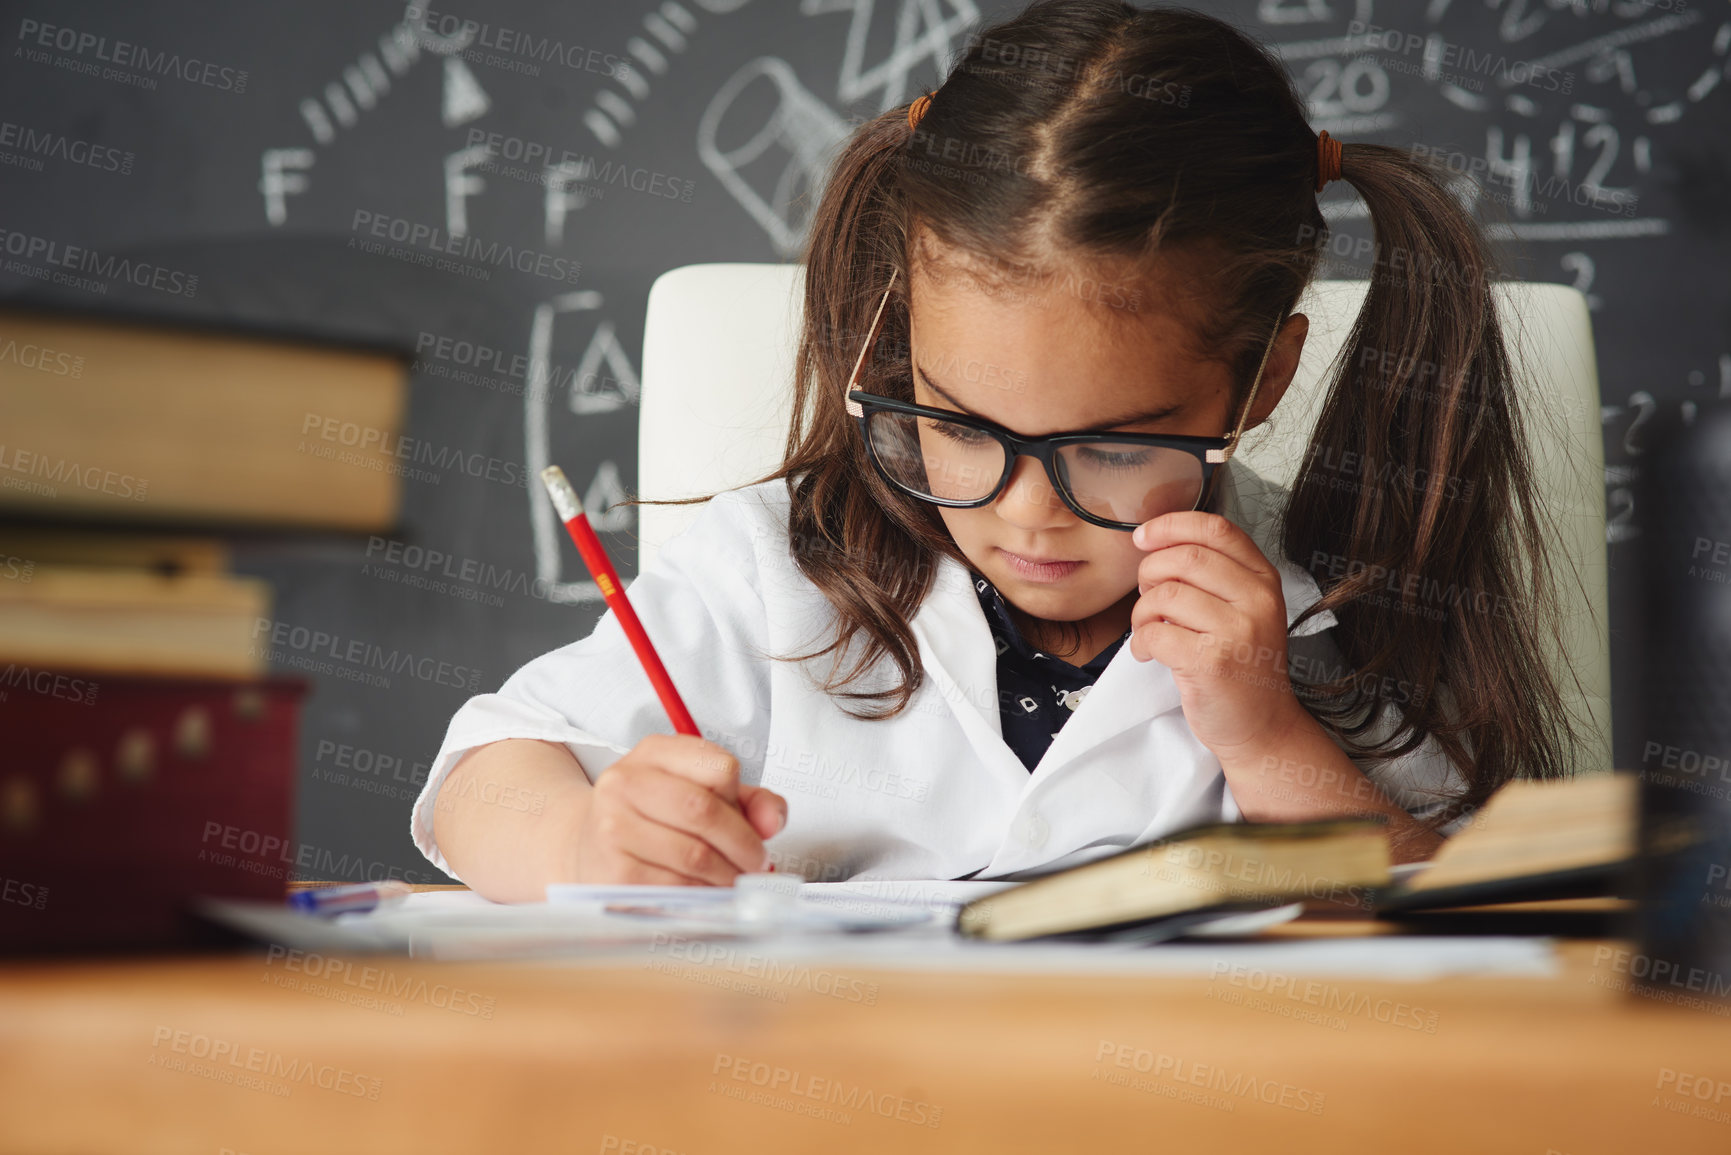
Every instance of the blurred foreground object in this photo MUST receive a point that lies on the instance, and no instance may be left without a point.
(149, 760)
(126, 604)
(122, 420)
(1684, 918)
(122, 798)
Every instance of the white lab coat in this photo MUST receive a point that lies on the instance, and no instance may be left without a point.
(933, 793)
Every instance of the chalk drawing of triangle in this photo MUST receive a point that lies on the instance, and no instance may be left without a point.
(465, 99)
(607, 489)
(595, 391)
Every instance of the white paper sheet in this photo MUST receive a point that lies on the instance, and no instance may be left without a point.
(460, 925)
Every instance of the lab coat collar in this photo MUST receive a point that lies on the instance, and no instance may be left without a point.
(960, 658)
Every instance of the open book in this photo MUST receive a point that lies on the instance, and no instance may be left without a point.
(1532, 841)
(1191, 876)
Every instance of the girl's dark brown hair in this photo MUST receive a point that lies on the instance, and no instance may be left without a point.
(1093, 135)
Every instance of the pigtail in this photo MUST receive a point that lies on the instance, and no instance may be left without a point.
(1415, 507)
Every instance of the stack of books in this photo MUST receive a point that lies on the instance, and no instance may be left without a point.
(135, 701)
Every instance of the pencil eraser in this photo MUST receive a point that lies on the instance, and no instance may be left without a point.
(565, 500)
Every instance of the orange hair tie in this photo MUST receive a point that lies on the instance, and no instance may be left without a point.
(1327, 159)
(918, 109)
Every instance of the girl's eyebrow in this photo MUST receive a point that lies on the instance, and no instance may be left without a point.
(1159, 414)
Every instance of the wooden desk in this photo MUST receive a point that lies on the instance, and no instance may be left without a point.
(153, 1056)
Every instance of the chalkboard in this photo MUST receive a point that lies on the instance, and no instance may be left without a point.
(493, 188)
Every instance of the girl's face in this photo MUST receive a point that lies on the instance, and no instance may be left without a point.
(1069, 354)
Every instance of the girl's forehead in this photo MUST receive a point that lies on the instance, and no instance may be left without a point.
(1124, 301)
(1060, 317)
(1064, 341)
(1055, 360)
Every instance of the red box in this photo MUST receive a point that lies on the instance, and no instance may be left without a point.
(124, 797)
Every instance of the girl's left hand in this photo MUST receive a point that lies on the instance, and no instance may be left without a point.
(1211, 609)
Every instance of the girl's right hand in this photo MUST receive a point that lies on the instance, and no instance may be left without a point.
(673, 812)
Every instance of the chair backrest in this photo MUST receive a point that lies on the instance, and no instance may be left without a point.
(718, 353)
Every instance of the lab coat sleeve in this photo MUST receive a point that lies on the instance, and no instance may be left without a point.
(1420, 781)
(700, 605)
(1423, 780)
(1300, 591)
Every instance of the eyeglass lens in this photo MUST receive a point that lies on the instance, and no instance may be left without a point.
(1114, 480)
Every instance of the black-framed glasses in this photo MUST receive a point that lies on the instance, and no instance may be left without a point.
(1114, 480)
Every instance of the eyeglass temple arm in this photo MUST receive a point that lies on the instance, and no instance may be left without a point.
(1222, 456)
(854, 408)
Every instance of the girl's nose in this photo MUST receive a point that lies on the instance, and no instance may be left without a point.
(1029, 502)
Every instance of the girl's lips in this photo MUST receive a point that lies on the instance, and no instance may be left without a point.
(1049, 571)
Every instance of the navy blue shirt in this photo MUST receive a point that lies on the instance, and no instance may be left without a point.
(1036, 692)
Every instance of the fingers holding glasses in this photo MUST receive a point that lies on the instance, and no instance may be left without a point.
(1207, 532)
(1206, 575)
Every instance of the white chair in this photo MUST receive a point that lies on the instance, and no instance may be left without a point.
(718, 353)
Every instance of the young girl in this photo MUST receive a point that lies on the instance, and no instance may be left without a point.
(1009, 603)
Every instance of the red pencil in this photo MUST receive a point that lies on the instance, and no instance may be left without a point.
(570, 510)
